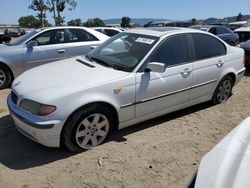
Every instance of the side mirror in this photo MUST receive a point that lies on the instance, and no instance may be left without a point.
(156, 67)
(32, 43)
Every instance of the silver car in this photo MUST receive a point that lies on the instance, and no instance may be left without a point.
(132, 77)
(43, 46)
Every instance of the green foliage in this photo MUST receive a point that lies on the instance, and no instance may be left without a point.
(75, 22)
(29, 22)
(126, 22)
(96, 22)
(41, 7)
(58, 6)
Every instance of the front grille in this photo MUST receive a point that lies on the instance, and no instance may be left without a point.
(14, 97)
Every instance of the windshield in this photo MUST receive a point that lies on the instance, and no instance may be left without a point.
(23, 38)
(124, 51)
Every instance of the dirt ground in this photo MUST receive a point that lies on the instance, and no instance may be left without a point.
(164, 152)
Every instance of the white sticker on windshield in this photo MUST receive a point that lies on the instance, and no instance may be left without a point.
(145, 40)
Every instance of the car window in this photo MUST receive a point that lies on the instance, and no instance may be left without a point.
(79, 35)
(178, 24)
(221, 31)
(170, 25)
(110, 32)
(206, 46)
(213, 30)
(173, 51)
(50, 37)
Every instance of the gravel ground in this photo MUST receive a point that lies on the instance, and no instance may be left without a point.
(163, 152)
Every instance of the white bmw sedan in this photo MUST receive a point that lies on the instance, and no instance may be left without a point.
(134, 76)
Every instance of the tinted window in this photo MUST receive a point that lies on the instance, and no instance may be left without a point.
(221, 31)
(244, 36)
(170, 24)
(178, 24)
(110, 32)
(79, 35)
(50, 37)
(206, 46)
(173, 51)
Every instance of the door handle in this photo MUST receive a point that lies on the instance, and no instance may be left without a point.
(61, 51)
(186, 71)
(93, 47)
(219, 64)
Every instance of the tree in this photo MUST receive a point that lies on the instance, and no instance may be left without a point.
(193, 21)
(41, 7)
(96, 22)
(239, 17)
(58, 6)
(125, 21)
(28, 22)
(75, 22)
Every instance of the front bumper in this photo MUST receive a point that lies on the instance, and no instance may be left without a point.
(44, 132)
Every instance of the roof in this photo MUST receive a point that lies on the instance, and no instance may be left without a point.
(160, 31)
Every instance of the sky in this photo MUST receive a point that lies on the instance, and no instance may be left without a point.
(12, 10)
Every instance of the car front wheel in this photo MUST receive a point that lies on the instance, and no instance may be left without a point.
(223, 90)
(5, 77)
(87, 128)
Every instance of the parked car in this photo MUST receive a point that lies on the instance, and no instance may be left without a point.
(43, 46)
(246, 47)
(108, 30)
(170, 24)
(77, 102)
(235, 25)
(227, 164)
(14, 33)
(4, 39)
(222, 32)
(244, 33)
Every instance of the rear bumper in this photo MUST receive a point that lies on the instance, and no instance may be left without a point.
(240, 74)
(44, 132)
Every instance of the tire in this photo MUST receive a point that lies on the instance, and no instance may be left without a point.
(87, 128)
(5, 77)
(223, 90)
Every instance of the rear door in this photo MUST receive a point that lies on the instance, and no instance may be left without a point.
(168, 90)
(209, 57)
(51, 47)
(80, 41)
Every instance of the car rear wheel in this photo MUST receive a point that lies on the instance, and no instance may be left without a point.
(5, 77)
(223, 90)
(87, 128)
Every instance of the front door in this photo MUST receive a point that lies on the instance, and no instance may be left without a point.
(51, 47)
(156, 92)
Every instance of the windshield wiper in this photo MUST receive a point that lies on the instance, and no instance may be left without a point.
(99, 61)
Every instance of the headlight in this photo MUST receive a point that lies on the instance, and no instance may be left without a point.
(37, 108)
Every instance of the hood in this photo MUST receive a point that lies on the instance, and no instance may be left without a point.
(228, 163)
(63, 77)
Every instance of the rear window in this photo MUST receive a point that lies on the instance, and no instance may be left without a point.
(206, 46)
(244, 36)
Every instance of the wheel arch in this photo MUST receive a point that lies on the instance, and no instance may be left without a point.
(9, 69)
(102, 103)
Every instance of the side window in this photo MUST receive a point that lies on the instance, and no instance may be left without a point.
(178, 24)
(173, 51)
(206, 46)
(221, 31)
(170, 25)
(79, 35)
(213, 31)
(111, 32)
(50, 37)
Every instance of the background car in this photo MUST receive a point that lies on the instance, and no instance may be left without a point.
(132, 77)
(4, 38)
(108, 30)
(170, 24)
(244, 33)
(246, 47)
(221, 31)
(227, 164)
(43, 46)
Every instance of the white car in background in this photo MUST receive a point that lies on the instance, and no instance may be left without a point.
(109, 31)
(228, 163)
(78, 101)
(42, 46)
